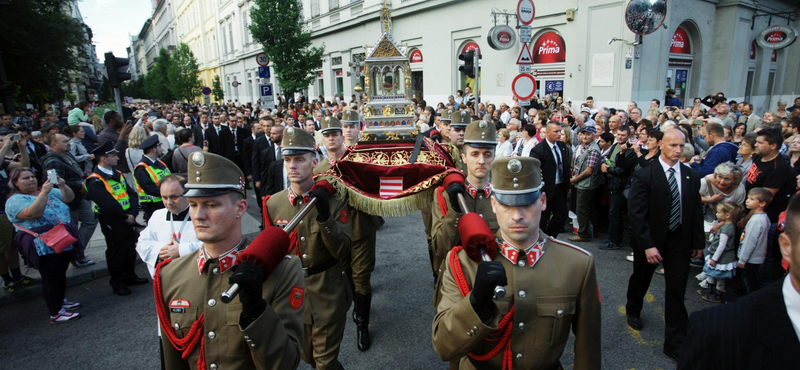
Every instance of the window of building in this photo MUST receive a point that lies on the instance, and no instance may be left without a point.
(230, 34)
(333, 4)
(246, 23)
(314, 8)
(225, 41)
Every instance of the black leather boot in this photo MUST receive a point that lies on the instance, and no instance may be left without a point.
(363, 302)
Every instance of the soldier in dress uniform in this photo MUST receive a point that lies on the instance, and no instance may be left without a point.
(321, 243)
(360, 263)
(439, 134)
(148, 174)
(479, 147)
(262, 328)
(550, 287)
(116, 206)
(460, 120)
(351, 126)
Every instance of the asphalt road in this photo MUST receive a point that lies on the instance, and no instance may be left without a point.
(120, 332)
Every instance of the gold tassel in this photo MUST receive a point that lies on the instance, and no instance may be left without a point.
(381, 207)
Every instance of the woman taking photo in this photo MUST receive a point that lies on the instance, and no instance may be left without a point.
(39, 210)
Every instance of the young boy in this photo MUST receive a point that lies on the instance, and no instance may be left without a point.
(753, 247)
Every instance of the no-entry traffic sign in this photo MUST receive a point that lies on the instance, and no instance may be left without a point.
(524, 86)
(525, 11)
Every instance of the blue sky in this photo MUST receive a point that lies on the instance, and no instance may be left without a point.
(112, 20)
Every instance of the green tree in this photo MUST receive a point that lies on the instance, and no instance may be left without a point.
(157, 84)
(105, 93)
(216, 89)
(183, 74)
(278, 26)
(39, 42)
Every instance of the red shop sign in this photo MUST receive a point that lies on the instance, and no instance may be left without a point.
(549, 48)
(416, 56)
(339, 72)
(680, 42)
(775, 37)
(469, 47)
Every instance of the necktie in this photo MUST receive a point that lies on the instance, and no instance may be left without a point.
(558, 163)
(675, 208)
(277, 152)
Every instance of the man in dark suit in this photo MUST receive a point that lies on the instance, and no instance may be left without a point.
(269, 155)
(277, 180)
(247, 152)
(260, 144)
(555, 159)
(665, 202)
(241, 131)
(758, 331)
(220, 138)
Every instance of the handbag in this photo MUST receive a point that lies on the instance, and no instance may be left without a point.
(57, 238)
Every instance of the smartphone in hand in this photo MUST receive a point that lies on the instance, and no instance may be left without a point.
(52, 176)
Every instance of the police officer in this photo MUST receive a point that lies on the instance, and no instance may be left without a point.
(116, 208)
(148, 174)
(550, 287)
(479, 147)
(321, 244)
(262, 327)
(360, 263)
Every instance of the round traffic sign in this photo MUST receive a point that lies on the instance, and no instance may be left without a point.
(524, 86)
(235, 83)
(262, 59)
(525, 11)
(206, 90)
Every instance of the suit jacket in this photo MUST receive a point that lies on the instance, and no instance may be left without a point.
(650, 190)
(242, 133)
(246, 153)
(275, 181)
(267, 157)
(754, 332)
(257, 165)
(197, 134)
(221, 144)
(543, 153)
(751, 121)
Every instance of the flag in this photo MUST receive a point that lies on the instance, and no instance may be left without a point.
(390, 186)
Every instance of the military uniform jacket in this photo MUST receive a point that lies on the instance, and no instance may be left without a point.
(273, 341)
(444, 224)
(319, 245)
(560, 291)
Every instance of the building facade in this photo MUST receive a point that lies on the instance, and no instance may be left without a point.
(238, 51)
(704, 47)
(196, 24)
(84, 82)
(164, 32)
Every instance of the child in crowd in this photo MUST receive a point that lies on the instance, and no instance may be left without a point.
(753, 247)
(721, 261)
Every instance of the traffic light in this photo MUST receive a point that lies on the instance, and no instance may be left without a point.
(469, 63)
(117, 69)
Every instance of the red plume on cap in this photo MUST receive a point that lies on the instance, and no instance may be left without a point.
(267, 250)
(325, 185)
(475, 234)
(452, 178)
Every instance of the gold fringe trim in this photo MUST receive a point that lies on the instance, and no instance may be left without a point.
(381, 207)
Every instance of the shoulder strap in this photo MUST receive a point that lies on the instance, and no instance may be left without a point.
(35, 235)
(440, 201)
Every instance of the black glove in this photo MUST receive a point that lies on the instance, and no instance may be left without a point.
(452, 192)
(323, 205)
(250, 278)
(490, 274)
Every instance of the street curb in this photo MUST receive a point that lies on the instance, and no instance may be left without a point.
(86, 274)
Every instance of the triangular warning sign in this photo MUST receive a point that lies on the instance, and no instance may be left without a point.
(525, 56)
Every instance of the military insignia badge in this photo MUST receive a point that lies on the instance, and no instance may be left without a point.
(296, 297)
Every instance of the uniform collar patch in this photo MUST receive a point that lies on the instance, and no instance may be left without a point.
(473, 191)
(226, 260)
(293, 197)
(533, 253)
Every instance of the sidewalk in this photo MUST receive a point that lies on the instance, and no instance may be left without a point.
(96, 251)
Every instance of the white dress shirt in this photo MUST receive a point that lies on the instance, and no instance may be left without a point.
(792, 299)
(558, 159)
(677, 167)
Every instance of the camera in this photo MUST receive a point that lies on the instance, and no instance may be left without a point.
(17, 137)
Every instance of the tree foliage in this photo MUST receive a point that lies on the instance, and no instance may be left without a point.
(183, 74)
(157, 80)
(40, 43)
(278, 26)
(216, 89)
(134, 89)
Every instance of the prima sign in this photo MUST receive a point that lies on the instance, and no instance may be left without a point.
(776, 37)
